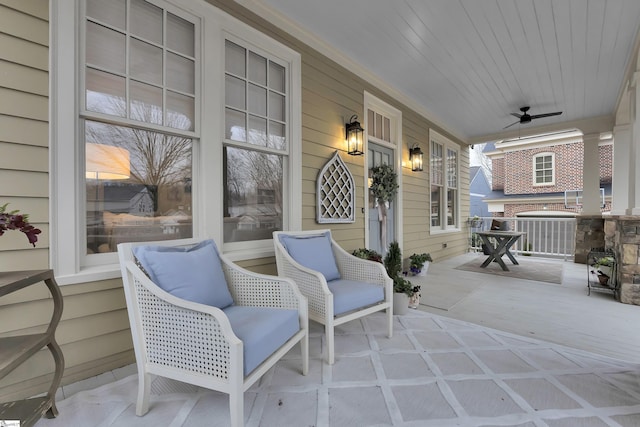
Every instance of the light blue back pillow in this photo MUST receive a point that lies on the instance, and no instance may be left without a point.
(194, 274)
(313, 252)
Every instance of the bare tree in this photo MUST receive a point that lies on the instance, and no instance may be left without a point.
(157, 160)
(478, 158)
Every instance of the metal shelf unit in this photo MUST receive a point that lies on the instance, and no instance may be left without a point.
(17, 349)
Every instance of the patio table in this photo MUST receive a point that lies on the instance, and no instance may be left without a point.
(503, 242)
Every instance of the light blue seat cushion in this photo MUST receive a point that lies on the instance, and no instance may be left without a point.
(314, 252)
(262, 330)
(194, 274)
(350, 295)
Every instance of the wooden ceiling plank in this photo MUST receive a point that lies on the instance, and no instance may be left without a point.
(562, 19)
(578, 46)
(519, 60)
(537, 61)
(488, 50)
(593, 47)
(547, 27)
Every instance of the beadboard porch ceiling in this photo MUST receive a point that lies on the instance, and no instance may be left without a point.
(468, 64)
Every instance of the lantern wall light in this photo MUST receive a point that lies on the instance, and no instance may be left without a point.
(415, 157)
(354, 135)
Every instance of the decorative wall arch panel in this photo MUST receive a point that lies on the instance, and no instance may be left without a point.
(336, 193)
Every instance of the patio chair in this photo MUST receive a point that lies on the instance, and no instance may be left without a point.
(198, 318)
(339, 286)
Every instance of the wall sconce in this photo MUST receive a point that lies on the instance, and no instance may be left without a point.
(415, 156)
(354, 133)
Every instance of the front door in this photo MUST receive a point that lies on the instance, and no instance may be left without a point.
(381, 221)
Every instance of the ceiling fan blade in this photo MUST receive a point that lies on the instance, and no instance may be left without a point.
(516, 115)
(514, 123)
(538, 116)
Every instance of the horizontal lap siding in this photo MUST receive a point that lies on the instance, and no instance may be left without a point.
(416, 194)
(94, 330)
(24, 156)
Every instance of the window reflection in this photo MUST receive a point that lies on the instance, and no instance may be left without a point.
(138, 186)
(253, 183)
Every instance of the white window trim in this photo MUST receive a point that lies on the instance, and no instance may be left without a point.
(66, 209)
(447, 144)
(553, 169)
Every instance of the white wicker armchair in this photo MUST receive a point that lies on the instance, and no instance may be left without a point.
(195, 343)
(313, 285)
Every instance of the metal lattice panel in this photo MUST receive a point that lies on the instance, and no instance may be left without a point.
(336, 193)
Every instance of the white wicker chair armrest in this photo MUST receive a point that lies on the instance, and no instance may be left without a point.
(260, 290)
(353, 268)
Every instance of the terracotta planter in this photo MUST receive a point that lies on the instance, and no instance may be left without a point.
(400, 303)
(605, 270)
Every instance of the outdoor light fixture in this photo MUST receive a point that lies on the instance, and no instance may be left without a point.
(354, 133)
(415, 156)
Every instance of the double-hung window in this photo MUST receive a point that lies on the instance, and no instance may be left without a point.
(171, 120)
(255, 145)
(445, 195)
(543, 169)
(137, 123)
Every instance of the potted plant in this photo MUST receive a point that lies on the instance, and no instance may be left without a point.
(419, 264)
(368, 254)
(603, 267)
(403, 289)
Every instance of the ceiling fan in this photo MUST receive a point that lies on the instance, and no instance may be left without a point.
(526, 117)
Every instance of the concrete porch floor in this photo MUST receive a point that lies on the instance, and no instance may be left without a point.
(562, 314)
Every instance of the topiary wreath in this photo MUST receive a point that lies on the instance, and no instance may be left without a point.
(384, 183)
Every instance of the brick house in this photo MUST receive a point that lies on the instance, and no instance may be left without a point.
(531, 175)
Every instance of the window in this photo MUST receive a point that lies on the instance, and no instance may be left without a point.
(444, 199)
(160, 156)
(138, 116)
(378, 126)
(255, 144)
(437, 182)
(543, 166)
(452, 186)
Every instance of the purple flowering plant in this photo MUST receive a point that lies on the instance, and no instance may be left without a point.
(13, 220)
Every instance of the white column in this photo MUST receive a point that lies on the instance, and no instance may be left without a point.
(620, 187)
(591, 175)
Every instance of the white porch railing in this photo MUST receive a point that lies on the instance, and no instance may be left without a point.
(551, 237)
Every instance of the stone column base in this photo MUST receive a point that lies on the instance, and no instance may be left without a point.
(630, 293)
